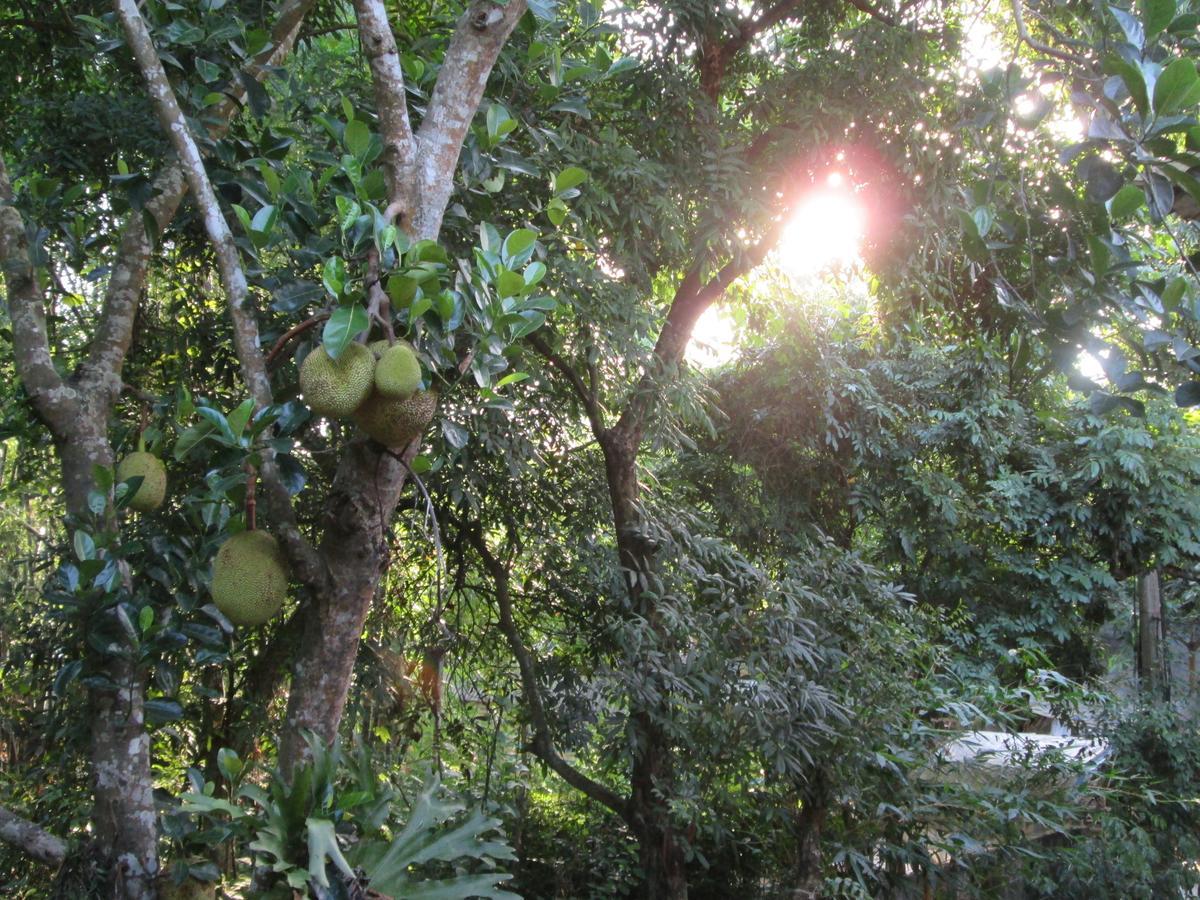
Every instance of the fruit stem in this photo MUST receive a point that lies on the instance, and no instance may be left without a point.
(251, 500)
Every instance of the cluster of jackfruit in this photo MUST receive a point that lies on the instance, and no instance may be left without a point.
(377, 385)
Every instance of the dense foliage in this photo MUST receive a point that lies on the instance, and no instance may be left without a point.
(621, 621)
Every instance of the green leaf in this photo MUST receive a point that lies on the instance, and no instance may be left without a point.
(322, 845)
(499, 121)
(518, 243)
(511, 378)
(1188, 394)
(1156, 15)
(419, 307)
(1135, 82)
(534, 272)
(191, 437)
(1177, 87)
(229, 763)
(158, 711)
(568, 178)
(357, 137)
(346, 323)
(431, 834)
(145, 618)
(240, 416)
(401, 289)
(217, 418)
(509, 283)
(85, 547)
(1127, 201)
(333, 276)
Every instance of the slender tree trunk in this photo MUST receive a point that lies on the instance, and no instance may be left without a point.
(664, 869)
(1150, 634)
(810, 821)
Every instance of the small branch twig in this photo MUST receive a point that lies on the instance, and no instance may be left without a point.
(1039, 46)
(587, 397)
(251, 499)
(292, 332)
(542, 744)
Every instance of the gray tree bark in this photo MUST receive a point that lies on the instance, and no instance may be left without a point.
(77, 412)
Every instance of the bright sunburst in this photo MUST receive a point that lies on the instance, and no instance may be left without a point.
(826, 230)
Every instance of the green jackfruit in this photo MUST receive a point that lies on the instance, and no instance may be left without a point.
(398, 372)
(249, 578)
(150, 493)
(336, 387)
(395, 422)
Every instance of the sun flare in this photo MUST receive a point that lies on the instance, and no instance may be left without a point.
(826, 231)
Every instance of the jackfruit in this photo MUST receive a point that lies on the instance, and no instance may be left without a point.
(150, 493)
(249, 578)
(395, 422)
(398, 372)
(336, 387)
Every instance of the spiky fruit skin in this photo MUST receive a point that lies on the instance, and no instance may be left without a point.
(150, 493)
(398, 372)
(249, 578)
(336, 387)
(395, 422)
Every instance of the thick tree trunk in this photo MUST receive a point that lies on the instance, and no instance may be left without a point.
(123, 815)
(361, 502)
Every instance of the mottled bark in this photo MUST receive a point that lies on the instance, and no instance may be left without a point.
(123, 815)
(391, 105)
(361, 502)
(1151, 636)
(369, 479)
(481, 34)
(32, 839)
(77, 412)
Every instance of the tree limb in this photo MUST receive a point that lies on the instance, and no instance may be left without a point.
(31, 839)
(587, 397)
(692, 298)
(391, 103)
(542, 743)
(1024, 36)
(233, 278)
(55, 401)
(481, 33)
(122, 295)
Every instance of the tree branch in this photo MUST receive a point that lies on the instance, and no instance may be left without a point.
(32, 839)
(692, 298)
(714, 58)
(122, 295)
(586, 396)
(55, 401)
(233, 278)
(1034, 43)
(542, 743)
(477, 42)
(874, 12)
(391, 104)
